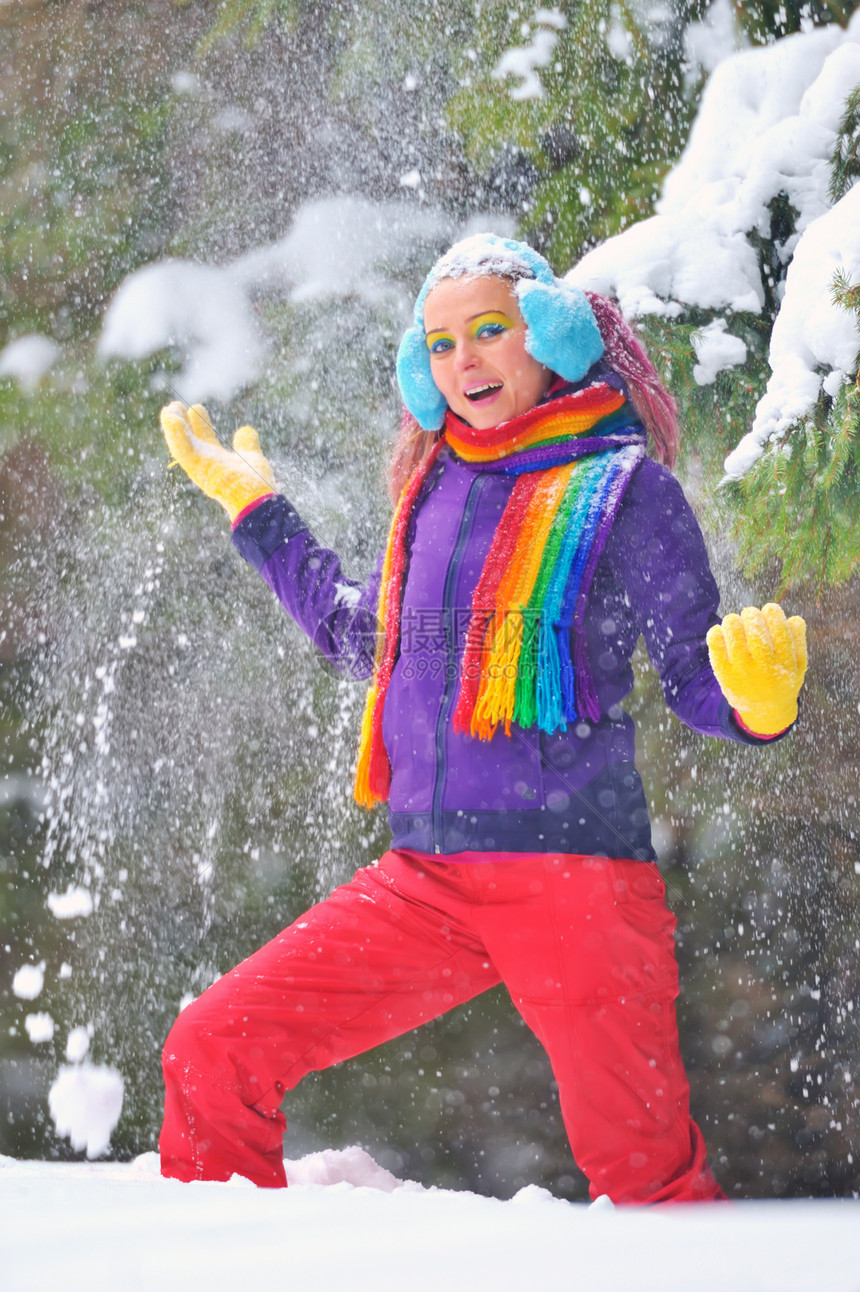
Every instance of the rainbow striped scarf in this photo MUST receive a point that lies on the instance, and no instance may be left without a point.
(573, 458)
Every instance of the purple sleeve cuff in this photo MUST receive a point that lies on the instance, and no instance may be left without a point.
(260, 530)
(740, 732)
(255, 502)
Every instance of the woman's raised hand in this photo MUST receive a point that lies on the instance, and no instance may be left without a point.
(236, 477)
(759, 660)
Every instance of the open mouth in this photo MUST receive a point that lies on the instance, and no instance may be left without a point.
(481, 392)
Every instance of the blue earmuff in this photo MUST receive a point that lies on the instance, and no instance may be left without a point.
(419, 391)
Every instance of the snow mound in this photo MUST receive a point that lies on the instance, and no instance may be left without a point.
(29, 981)
(716, 349)
(353, 1166)
(28, 359)
(85, 1104)
(766, 128)
(73, 904)
(77, 1044)
(668, 261)
(199, 309)
(40, 1028)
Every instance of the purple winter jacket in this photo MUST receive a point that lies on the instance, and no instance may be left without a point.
(576, 791)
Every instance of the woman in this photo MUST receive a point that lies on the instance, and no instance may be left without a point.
(532, 543)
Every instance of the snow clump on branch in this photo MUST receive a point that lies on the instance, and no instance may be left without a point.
(766, 129)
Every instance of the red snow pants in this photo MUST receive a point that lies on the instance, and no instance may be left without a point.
(584, 945)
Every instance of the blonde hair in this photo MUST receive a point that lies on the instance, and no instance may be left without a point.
(410, 451)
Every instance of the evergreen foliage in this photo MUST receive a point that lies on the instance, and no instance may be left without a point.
(83, 136)
(582, 155)
(766, 20)
(845, 160)
(800, 504)
(251, 18)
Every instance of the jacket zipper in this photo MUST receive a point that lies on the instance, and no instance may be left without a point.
(451, 675)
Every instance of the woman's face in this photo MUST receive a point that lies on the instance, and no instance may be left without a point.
(477, 342)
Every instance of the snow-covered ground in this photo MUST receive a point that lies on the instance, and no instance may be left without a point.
(345, 1223)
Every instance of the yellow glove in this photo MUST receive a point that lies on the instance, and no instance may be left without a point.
(234, 479)
(759, 659)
